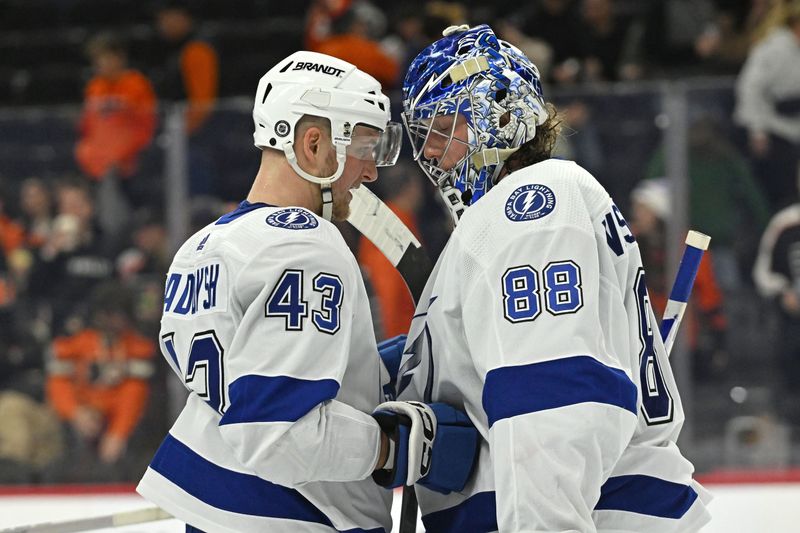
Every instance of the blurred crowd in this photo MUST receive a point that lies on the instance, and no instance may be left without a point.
(84, 253)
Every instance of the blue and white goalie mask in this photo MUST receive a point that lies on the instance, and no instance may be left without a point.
(470, 101)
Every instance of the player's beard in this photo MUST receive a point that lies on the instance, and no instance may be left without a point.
(341, 205)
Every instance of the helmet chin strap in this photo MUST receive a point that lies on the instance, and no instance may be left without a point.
(325, 183)
(452, 200)
(327, 201)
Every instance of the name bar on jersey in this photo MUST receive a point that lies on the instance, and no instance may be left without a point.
(196, 292)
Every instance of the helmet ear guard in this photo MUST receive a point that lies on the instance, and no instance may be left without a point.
(493, 85)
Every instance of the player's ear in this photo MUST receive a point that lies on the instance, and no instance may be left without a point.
(312, 142)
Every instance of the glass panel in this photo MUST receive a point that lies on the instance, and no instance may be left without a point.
(733, 365)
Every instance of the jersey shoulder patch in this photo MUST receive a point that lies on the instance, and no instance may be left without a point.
(530, 202)
(295, 218)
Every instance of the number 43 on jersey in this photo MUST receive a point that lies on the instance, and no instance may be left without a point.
(286, 301)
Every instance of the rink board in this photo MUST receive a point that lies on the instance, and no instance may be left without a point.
(737, 507)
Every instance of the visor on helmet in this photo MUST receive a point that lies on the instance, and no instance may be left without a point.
(380, 147)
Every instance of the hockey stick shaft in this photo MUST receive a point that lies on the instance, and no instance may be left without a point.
(696, 245)
(370, 216)
(123, 518)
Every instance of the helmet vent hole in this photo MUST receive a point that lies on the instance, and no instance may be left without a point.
(500, 95)
(261, 125)
(447, 82)
(266, 92)
(464, 49)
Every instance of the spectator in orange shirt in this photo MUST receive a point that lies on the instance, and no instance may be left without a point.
(190, 71)
(318, 20)
(119, 117)
(98, 378)
(350, 41)
(12, 234)
(705, 320)
(394, 301)
(12, 238)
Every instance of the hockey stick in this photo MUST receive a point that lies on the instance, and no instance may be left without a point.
(124, 518)
(379, 224)
(696, 245)
(370, 216)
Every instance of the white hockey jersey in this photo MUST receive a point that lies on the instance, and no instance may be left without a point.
(537, 323)
(266, 321)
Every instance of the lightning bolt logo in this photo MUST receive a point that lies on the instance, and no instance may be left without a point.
(530, 197)
(292, 218)
(530, 202)
(294, 215)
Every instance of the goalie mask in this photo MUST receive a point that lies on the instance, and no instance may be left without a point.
(470, 81)
(308, 83)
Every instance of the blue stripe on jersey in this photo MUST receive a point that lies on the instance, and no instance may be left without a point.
(228, 490)
(169, 344)
(517, 390)
(639, 494)
(242, 209)
(234, 491)
(476, 514)
(646, 495)
(275, 398)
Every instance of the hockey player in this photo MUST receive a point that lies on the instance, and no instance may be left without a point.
(536, 320)
(266, 321)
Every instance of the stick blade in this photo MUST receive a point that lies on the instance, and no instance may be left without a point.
(370, 216)
(122, 518)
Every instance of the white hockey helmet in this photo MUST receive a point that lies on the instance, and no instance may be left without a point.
(308, 83)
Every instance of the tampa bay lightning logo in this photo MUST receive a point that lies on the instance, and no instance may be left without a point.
(530, 202)
(292, 218)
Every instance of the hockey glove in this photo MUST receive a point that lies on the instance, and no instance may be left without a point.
(454, 450)
(434, 445)
(391, 352)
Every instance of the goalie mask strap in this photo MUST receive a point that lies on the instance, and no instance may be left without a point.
(491, 156)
